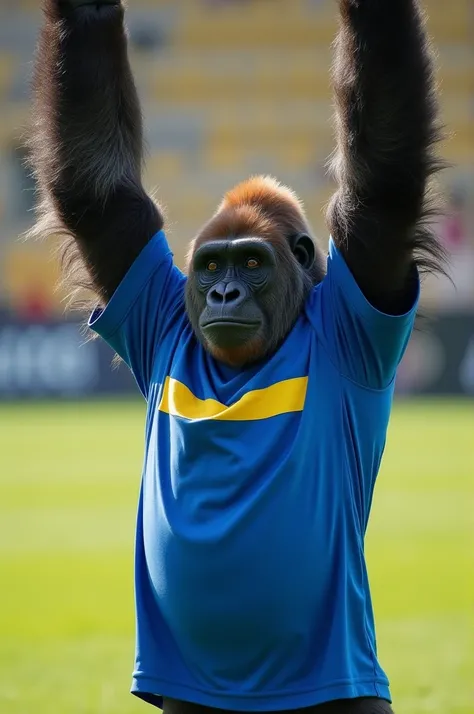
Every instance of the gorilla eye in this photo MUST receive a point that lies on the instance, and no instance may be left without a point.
(252, 263)
(212, 266)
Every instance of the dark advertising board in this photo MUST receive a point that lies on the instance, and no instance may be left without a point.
(439, 359)
(58, 359)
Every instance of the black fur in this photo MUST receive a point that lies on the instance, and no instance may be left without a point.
(86, 146)
(386, 125)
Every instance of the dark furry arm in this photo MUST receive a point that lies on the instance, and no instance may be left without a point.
(386, 124)
(86, 147)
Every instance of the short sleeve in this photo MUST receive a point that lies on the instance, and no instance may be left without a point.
(365, 344)
(147, 305)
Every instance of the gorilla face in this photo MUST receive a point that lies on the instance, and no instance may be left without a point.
(244, 294)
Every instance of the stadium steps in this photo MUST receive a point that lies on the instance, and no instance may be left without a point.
(225, 83)
(228, 78)
(236, 90)
(264, 25)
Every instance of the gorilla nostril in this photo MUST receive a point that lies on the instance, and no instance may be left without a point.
(232, 295)
(216, 296)
(225, 294)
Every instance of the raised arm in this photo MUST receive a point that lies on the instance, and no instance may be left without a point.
(386, 122)
(86, 146)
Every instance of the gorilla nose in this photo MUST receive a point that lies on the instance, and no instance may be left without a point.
(229, 294)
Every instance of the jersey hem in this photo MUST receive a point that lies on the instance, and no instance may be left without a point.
(147, 688)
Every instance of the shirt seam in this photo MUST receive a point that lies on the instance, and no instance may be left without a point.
(343, 376)
(360, 539)
(107, 335)
(367, 309)
(269, 693)
(353, 381)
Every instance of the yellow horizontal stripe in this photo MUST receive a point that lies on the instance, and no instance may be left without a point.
(281, 398)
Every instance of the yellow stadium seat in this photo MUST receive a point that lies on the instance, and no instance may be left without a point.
(6, 71)
(459, 147)
(240, 30)
(164, 166)
(26, 268)
(450, 23)
(223, 155)
(187, 207)
(456, 109)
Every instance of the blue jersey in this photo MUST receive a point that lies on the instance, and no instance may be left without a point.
(250, 578)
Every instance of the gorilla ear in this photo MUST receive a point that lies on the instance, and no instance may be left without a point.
(302, 247)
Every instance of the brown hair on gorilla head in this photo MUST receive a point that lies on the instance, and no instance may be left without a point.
(264, 208)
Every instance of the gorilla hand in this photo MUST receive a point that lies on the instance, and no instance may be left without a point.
(81, 3)
(65, 8)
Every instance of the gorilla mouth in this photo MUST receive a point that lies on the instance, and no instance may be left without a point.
(229, 322)
(230, 332)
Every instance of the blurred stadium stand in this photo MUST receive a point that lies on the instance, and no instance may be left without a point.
(229, 88)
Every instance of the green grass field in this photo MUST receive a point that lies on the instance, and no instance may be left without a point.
(69, 477)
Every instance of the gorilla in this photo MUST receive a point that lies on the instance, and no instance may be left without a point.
(267, 365)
